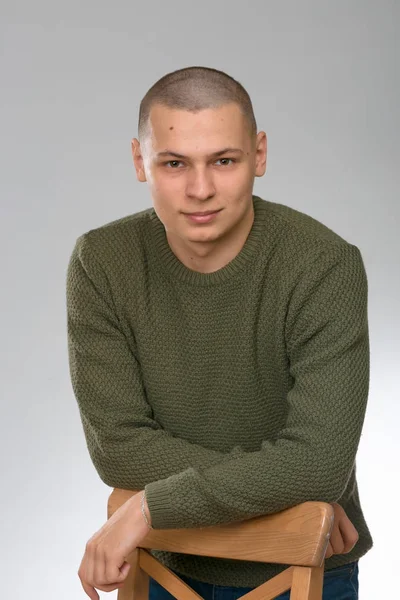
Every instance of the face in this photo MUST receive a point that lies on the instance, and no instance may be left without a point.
(196, 162)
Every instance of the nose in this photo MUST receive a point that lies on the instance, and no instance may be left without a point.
(200, 184)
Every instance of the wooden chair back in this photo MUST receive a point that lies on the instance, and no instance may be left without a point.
(297, 536)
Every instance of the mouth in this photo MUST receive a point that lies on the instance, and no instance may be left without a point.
(203, 214)
(203, 217)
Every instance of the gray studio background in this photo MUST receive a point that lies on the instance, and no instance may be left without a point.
(324, 83)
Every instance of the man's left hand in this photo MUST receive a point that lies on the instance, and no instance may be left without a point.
(344, 535)
(103, 565)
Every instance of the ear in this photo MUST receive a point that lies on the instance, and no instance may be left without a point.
(138, 160)
(261, 154)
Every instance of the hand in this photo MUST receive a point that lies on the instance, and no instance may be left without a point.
(103, 565)
(344, 535)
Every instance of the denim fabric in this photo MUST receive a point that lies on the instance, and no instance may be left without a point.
(340, 583)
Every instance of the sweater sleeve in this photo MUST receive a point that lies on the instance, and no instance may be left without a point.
(126, 444)
(327, 344)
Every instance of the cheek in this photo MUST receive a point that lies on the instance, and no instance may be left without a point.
(165, 198)
(239, 179)
(166, 184)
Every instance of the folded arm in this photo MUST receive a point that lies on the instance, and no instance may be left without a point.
(313, 456)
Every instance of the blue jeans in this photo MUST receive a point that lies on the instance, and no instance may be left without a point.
(340, 583)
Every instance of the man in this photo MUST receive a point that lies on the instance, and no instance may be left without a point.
(220, 361)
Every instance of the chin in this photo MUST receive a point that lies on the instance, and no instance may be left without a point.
(204, 236)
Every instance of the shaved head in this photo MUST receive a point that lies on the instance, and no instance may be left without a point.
(194, 89)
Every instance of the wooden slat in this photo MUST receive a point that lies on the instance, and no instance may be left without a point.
(179, 589)
(295, 536)
(307, 583)
(271, 589)
(165, 577)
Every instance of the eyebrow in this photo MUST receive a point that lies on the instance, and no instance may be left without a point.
(214, 154)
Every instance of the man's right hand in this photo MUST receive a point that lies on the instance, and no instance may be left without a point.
(344, 535)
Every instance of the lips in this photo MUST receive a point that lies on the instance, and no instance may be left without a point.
(203, 214)
(203, 218)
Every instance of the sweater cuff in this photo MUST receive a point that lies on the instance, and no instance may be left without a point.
(161, 507)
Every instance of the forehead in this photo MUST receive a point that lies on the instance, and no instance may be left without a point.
(195, 131)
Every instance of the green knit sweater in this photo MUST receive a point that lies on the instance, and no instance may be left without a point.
(226, 395)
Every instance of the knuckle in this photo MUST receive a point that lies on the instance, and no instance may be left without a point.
(354, 539)
(92, 543)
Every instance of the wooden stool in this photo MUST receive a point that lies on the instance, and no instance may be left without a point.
(297, 536)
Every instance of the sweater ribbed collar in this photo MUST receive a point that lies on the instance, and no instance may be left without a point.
(177, 270)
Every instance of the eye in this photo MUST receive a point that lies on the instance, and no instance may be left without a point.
(225, 164)
(170, 162)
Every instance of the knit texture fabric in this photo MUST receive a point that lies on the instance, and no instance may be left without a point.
(226, 395)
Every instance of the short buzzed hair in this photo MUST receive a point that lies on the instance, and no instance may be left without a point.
(194, 89)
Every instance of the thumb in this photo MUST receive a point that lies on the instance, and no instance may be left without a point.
(124, 570)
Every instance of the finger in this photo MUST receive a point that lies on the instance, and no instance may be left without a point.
(112, 571)
(90, 591)
(116, 573)
(125, 569)
(88, 562)
(347, 530)
(85, 578)
(349, 534)
(110, 587)
(99, 569)
(336, 539)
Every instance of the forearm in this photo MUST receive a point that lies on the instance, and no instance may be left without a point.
(277, 477)
(142, 454)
